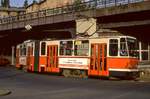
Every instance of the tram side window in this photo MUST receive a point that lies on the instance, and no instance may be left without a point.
(113, 47)
(23, 50)
(66, 47)
(81, 48)
(20, 51)
(32, 49)
(123, 47)
(43, 48)
(132, 47)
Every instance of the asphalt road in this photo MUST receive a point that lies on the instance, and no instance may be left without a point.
(36, 86)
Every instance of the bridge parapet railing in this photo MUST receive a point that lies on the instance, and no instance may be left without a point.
(90, 4)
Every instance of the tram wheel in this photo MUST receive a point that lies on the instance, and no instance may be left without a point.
(76, 73)
(24, 68)
(66, 73)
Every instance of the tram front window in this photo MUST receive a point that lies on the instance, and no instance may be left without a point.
(132, 47)
(123, 47)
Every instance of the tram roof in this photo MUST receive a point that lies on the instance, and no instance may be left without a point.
(86, 38)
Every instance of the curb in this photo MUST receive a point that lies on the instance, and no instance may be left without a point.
(4, 92)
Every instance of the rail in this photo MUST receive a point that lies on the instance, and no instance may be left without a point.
(90, 4)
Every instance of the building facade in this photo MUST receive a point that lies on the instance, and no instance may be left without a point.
(7, 11)
(11, 11)
(47, 4)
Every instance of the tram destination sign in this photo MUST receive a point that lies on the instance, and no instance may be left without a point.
(73, 61)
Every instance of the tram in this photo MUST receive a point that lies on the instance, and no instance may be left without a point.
(114, 56)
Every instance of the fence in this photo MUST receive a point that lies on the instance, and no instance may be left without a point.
(90, 4)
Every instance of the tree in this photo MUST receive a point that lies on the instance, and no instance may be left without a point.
(34, 1)
(77, 2)
(79, 5)
(25, 3)
(2, 3)
(5, 3)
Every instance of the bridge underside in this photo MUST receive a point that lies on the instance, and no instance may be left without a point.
(140, 32)
(135, 24)
(12, 38)
(18, 36)
(15, 37)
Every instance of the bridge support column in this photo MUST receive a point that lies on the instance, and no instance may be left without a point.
(13, 56)
(148, 51)
(140, 48)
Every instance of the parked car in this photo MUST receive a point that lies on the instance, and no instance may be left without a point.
(4, 61)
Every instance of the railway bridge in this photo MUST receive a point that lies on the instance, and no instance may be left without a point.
(131, 17)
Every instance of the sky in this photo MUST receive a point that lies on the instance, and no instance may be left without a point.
(19, 3)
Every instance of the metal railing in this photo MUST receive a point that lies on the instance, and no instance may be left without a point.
(91, 4)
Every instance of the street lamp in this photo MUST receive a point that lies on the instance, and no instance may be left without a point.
(28, 27)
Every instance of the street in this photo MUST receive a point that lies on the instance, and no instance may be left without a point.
(45, 86)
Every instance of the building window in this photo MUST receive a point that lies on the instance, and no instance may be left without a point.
(113, 47)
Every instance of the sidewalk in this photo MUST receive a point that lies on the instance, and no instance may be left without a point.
(144, 72)
(4, 92)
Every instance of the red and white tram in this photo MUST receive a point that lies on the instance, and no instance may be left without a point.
(114, 56)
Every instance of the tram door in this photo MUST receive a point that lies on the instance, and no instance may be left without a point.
(52, 65)
(36, 56)
(98, 64)
(29, 57)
